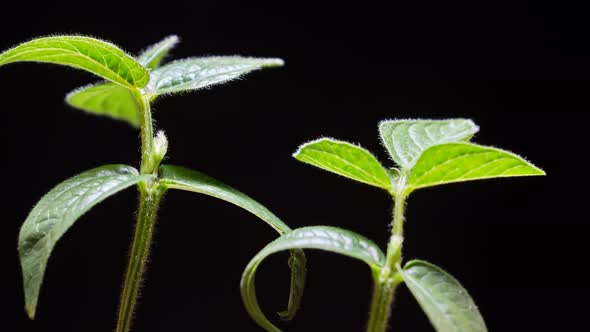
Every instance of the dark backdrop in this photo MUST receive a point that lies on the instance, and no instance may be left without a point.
(512, 66)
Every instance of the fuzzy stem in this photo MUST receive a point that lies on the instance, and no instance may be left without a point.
(147, 133)
(149, 201)
(146, 218)
(387, 279)
(383, 295)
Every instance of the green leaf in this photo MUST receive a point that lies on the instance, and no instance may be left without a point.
(345, 159)
(446, 303)
(326, 238)
(56, 212)
(175, 177)
(457, 162)
(153, 55)
(297, 264)
(199, 73)
(107, 99)
(116, 101)
(96, 56)
(407, 139)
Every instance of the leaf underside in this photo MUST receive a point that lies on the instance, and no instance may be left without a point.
(405, 140)
(326, 238)
(198, 73)
(153, 55)
(55, 213)
(457, 162)
(345, 159)
(107, 99)
(446, 303)
(96, 56)
(175, 177)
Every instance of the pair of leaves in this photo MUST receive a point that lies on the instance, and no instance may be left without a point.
(56, 212)
(117, 101)
(127, 73)
(429, 152)
(446, 303)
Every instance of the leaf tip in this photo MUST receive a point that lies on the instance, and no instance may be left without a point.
(285, 315)
(537, 171)
(31, 310)
(274, 62)
(172, 39)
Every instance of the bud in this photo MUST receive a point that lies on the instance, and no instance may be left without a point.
(159, 149)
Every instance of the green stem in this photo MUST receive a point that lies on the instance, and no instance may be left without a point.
(381, 304)
(149, 201)
(387, 279)
(397, 233)
(147, 133)
(146, 218)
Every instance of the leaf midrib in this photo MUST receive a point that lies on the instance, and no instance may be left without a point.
(79, 54)
(431, 300)
(348, 163)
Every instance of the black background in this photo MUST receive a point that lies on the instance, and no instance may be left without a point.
(512, 66)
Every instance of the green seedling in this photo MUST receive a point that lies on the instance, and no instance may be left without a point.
(427, 153)
(132, 84)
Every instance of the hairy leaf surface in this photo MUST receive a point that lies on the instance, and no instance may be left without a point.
(57, 211)
(405, 140)
(107, 99)
(199, 73)
(326, 238)
(116, 101)
(96, 56)
(457, 162)
(446, 303)
(345, 159)
(153, 55)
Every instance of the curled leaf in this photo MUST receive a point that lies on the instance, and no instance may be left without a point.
(175, 177)
(326, 238)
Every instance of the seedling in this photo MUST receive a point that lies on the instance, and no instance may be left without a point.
(133, 83)
(427, 153)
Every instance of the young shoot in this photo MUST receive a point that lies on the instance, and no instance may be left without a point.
(131, 84)
(427, 153)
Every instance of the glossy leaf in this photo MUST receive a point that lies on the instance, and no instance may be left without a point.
(107, 99)
(446, 303)
(198, 73)
(153, 55)
(326, 238)
(56, 212)
(175, 177)
(405, 140)
(96, 56)
(345, 159)
(457, 162)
